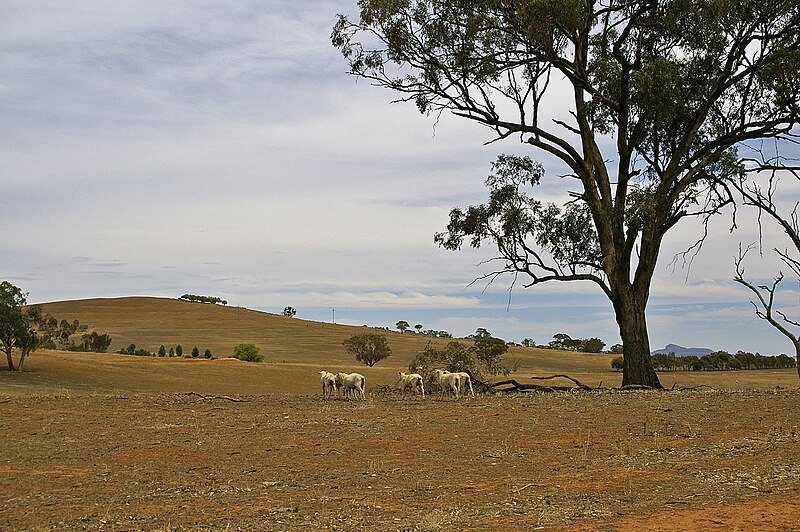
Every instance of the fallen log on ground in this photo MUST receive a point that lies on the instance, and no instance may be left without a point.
(561, 375)
(517, 386)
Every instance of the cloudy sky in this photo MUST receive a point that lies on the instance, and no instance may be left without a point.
(219, 148)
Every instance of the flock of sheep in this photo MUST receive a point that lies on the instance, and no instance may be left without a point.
(354, 384)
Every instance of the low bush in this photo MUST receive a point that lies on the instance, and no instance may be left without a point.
(248, 353)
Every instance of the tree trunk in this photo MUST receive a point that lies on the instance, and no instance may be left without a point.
(10, 360)
(797, 355)
(637, 366)
(22, 358)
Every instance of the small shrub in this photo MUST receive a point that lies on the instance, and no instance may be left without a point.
(248, 353)
(207, 354)
(195, 352)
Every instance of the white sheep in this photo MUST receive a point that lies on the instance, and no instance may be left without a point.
(352, 383)
(464, 378)
(328, 381)
(448, 382)
(413, 381)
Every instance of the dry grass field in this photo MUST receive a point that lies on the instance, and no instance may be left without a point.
(113, 442)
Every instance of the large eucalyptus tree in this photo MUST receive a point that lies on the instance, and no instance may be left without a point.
(663, 97)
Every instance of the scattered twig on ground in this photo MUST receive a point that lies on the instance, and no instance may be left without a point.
(637, 387)
(690, 388)
(529, 485)
(208, 397)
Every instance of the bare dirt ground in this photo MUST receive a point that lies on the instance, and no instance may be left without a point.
(118, 443)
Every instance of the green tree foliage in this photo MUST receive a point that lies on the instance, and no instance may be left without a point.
(162, 351)
(248, 353)
(195, 352)
(617, 363)
(96, 343)
(178, 350)
(668, 100)
(402, 326)
(719, 361)
(207, 354)
(437, 334)
(55, 334)
(16, 325)
(369, 348)
(171, 352)
(133, 350)
(489, 351)
(203, 299)
(592, 345)
(47, 327)
(455, 356)
(563, 341)
(289, 312)
(585, 345)
(65, 331)
(484, 357)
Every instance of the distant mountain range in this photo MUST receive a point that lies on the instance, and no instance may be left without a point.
(683, 351)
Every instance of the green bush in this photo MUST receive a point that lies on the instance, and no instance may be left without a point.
(132, 350)
(248, 353)
(455, 356)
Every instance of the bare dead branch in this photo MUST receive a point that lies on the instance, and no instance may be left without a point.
(212, 397)
(561, 375)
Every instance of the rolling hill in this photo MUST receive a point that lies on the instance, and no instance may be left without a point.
(149, 322)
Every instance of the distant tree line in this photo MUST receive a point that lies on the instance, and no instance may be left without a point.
(716, 361)
(564, 342)
(55, 334)
(404, 327)
(203, 299)
(176, 351)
